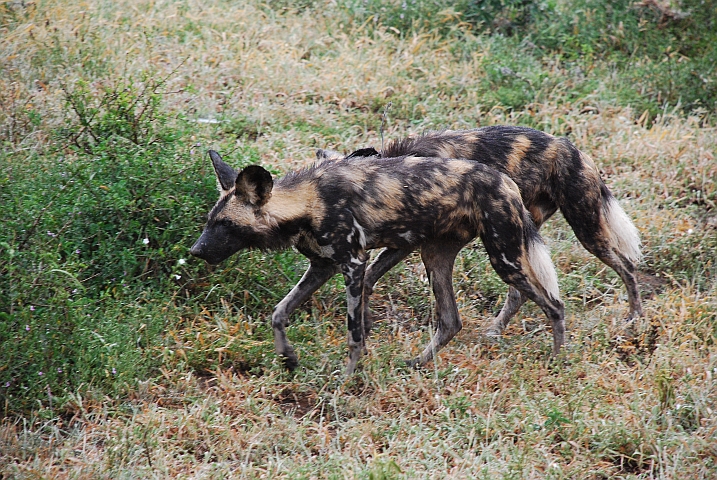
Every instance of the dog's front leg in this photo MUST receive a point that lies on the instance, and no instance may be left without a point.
(318, 273)
(354, 270)
(385, 261)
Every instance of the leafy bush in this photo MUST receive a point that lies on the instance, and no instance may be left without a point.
(95, 233)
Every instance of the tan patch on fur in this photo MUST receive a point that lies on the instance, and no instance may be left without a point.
(591, 170)
(355, 176)
(472, 136)
(413, 161)
(449, 200)
(509, 188)
(246, 189)
(464, 147)
(537, 214)
(448, 150)
(240, 213)
(450, 183)
(460, 167)
(551, 154)
(388, 188)
(289, 203)
(519, 150)
(444, 189)
(387, 201)
(436, 192)
(372, 212)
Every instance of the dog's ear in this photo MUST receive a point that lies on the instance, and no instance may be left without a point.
(322, 154)
(254, 184)
(363, 152)
(226, 175)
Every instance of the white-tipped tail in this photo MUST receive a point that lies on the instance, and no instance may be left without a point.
(539, 258)
(624, 236)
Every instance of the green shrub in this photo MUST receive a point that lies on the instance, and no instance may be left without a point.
(662, 55)
(443, 16)
(665, 54)
(96, 240)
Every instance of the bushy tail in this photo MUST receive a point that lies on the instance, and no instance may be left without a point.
(621, 232)
(539, 259)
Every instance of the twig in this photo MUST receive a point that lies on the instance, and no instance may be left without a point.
(383, 121)
(31, 230)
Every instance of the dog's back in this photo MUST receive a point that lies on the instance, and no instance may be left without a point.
(402, 202)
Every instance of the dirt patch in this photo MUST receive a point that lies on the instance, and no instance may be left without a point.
(296, 402)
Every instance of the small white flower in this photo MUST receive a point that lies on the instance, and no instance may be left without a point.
(177, 277)
(145, 241)
(182, 261)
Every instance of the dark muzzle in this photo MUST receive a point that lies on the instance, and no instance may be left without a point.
(212, 249)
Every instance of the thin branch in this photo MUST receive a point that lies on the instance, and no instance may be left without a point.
(383, 121)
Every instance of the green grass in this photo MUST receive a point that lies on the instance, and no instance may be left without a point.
(123, 357)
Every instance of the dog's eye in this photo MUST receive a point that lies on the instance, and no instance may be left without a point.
(224, 222)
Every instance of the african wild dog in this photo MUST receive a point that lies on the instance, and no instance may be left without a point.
(551, 174)
(335, 211)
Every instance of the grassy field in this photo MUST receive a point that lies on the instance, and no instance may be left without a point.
(122, 357)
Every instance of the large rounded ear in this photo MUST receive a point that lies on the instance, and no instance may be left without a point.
(322, 154)
(254, 185)
(363, 152)
(226, 175)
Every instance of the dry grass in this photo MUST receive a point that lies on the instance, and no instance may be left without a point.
(607, 410)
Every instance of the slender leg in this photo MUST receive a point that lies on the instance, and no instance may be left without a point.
(317, 274)
(528, 286)
(439, 260)
(515, 300)
(512, 304)
(604, 230)
(628, 273)
(385, 261)
(553, 309)
(521, 259)
(354, 271)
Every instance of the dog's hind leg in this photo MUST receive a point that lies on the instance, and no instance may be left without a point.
(318, 273)
(531, 286)
(553, 309)
(522, 260)
(609, 234)
(385, 261)
(601, 225)
(439, 259)
(539, 212)
(628, 273)
(512, 304)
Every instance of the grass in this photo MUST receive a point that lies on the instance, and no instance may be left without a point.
(125, 358)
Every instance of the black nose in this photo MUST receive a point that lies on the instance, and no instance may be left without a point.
(196, 249)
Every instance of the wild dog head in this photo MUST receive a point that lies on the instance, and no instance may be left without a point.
(236, 221)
